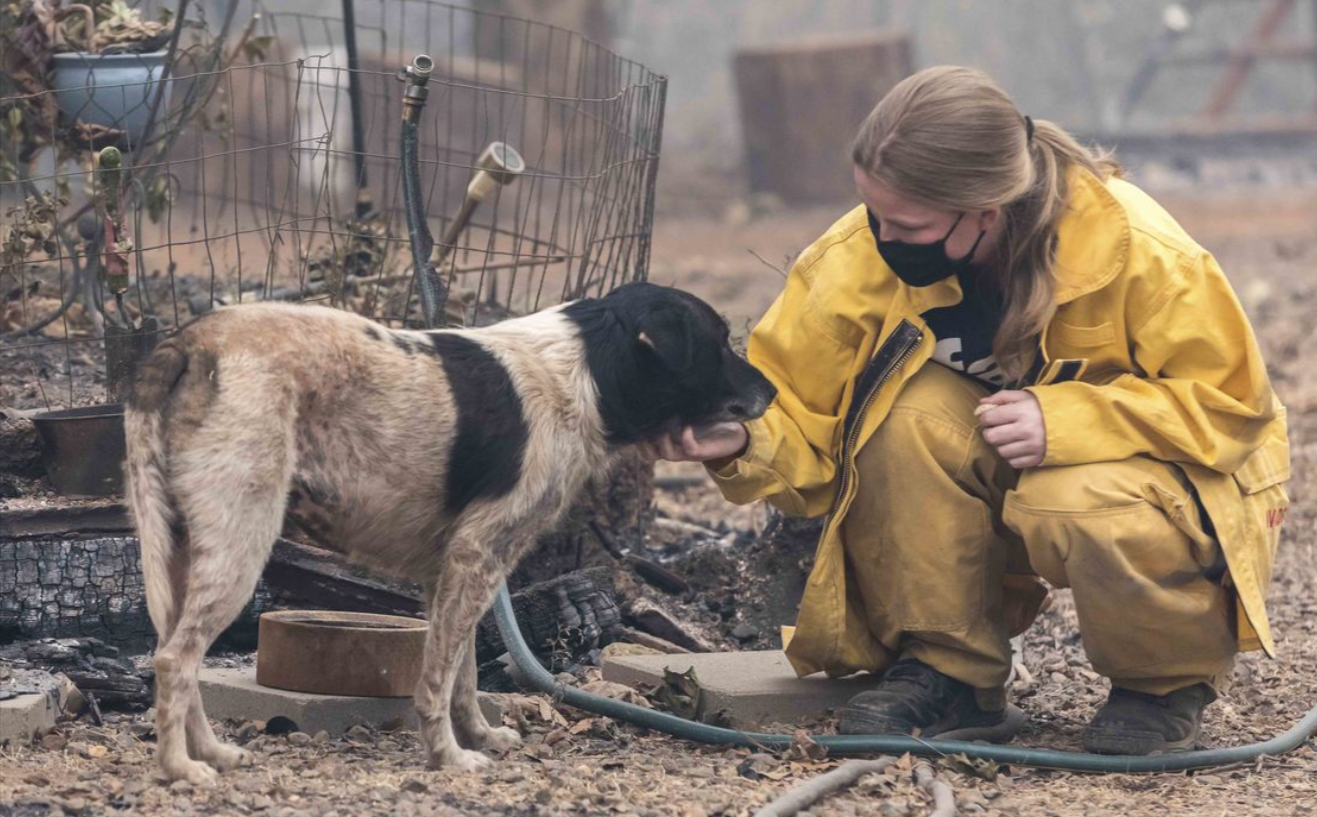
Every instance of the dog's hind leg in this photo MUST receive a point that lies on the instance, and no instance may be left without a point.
(461, 595)
(232, 490)
(469, 724)
(225, 563)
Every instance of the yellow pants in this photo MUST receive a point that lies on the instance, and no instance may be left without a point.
(945, 543)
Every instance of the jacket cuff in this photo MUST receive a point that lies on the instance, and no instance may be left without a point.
(737, 477)
(1070, 425)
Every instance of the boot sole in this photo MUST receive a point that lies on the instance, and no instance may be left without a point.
(1141, 744)
(1013, 718)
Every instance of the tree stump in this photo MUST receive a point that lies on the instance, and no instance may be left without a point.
(802, 104)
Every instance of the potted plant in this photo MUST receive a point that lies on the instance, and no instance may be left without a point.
(101, 58)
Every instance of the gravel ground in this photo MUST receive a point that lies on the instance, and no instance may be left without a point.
(573, 764)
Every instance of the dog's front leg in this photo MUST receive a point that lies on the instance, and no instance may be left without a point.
(473, 731)
(461, 596)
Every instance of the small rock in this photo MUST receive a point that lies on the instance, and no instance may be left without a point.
(360, 733)
(388, 746)
(261, 802)
(299, 738)
(745, 631)
(249, 730)
(180, 787)
(54, 742)
(142, 730)
(320, 738)
(416, 786)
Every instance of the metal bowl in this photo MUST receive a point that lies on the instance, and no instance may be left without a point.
(83, 449)
(335, 653)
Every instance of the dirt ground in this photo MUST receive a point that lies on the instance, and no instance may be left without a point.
(574, 764)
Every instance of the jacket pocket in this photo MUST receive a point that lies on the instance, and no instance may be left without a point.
(1267, 466)
(1069, 334)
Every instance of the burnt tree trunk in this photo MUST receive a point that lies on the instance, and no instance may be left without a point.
(608, 517)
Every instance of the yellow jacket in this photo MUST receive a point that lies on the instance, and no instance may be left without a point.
(1149, 353)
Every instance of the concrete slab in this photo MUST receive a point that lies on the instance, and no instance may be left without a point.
(233, 694)
(26, 716)
(755, 688)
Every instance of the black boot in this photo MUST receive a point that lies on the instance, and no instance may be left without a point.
(1136, 723)
(913, 698)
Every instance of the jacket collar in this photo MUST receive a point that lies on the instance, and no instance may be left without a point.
(1093, 242)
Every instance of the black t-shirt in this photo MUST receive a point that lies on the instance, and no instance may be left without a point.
(964, 331)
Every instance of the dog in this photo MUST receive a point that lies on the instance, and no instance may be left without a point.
(438, 455)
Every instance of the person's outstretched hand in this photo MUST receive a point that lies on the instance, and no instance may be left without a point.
(699, 443)
(1013, 424)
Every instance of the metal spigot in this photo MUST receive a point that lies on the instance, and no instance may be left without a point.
(417, 76)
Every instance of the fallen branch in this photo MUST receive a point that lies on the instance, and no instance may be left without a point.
(806, 795)
(944, 800)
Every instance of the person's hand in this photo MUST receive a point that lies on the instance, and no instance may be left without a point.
(699, 443)
(1012, 423)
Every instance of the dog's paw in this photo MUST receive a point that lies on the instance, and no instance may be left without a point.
(502, 739)
(462, 760)
(199, 774)
(226, 758)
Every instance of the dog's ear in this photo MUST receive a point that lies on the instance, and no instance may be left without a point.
(668, 335)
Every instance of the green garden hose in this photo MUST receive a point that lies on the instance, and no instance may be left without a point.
(883, 744)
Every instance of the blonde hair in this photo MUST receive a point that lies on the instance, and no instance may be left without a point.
(950, 137)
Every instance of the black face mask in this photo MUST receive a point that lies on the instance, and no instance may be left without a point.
(920, 265)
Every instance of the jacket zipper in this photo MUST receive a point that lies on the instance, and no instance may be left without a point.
(907, 338)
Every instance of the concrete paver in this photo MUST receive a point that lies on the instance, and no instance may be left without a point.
(755, 688)
(233, 694)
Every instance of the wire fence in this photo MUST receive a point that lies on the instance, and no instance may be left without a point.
(248, 177)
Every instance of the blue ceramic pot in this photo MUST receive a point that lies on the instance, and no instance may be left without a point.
(115, 90)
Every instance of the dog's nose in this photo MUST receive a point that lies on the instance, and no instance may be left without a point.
(737, 410)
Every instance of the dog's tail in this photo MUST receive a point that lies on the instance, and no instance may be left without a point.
(146, 470)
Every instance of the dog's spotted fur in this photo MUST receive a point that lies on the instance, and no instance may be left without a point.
(437, 455)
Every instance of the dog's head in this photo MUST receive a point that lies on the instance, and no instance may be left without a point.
(665, 359)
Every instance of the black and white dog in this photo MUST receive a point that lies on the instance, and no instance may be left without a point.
(437, 455)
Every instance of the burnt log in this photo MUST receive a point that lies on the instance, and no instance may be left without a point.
(55, 587)
(563, 620)
(306, 577)
(93, 666)
(87, 587)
